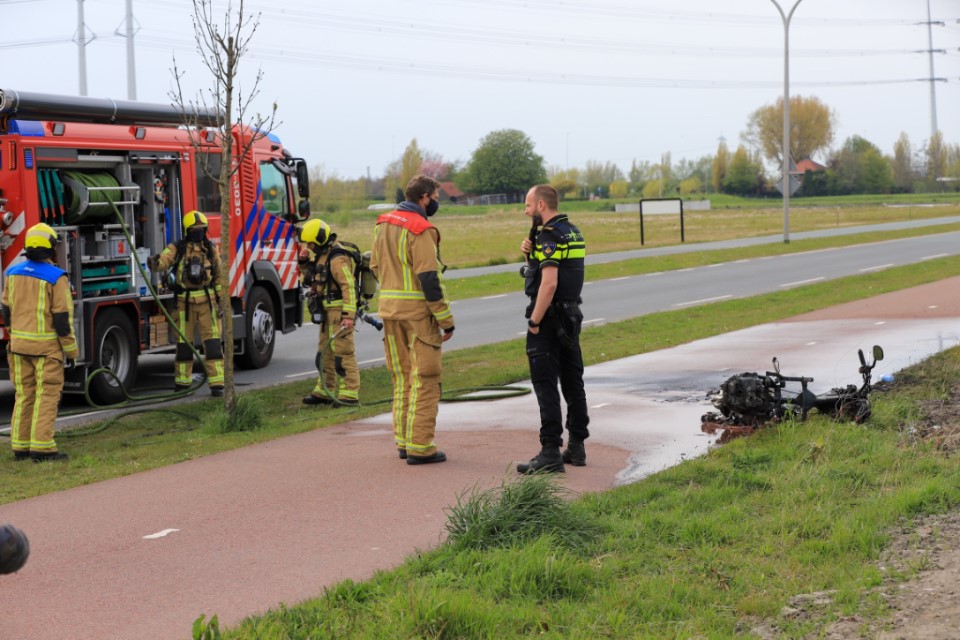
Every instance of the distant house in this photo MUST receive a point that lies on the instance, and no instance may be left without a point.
(808, 165)
(450, 192)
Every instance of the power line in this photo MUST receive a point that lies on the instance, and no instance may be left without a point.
(341, 61)
(34, 43)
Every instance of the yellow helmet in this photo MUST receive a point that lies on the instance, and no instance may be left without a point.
(194, 219)
(41, 236)
(315, 230)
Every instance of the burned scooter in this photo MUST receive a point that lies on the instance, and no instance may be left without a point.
(748, 401)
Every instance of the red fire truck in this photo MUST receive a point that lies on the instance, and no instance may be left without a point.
(64, 159)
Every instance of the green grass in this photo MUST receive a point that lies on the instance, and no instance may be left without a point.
(704, 549)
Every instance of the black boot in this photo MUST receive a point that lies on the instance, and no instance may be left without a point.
(575, 454)
(548, 460)
(56, 456)
(312, 399)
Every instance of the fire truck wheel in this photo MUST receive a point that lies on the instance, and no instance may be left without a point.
(115, 348)
(261, 331)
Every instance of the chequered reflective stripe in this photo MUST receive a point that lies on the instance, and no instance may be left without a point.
(264, 236)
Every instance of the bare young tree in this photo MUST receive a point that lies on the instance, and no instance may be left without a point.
(223, 109)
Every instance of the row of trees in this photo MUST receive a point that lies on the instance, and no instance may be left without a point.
(505, 162)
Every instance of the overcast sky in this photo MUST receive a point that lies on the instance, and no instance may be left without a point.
(603, 80)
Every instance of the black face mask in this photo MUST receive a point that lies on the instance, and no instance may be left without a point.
(432, 207)
(196, 234)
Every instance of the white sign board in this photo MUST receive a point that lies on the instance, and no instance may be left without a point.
(660, 207)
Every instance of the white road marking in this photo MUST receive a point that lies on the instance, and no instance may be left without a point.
(693, 302)
(715, 265)
(810, 344)
(800, 282)
(933, 306)
(300, 375)
(656, 273)
(620, 278)
(741, 261)
(160, 534)
(601, 405)
(594, 320)
(684, 270)
(313, 372)
(880, 323)
(877, 268)
(502, 295)
(939, 255)
(724, 369)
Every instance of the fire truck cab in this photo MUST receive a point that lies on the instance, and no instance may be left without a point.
(63, 160)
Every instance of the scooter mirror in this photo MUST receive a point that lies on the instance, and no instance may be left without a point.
(877, 352)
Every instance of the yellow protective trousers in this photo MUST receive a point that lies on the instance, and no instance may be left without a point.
(38, 381)
(198, 310)
(340, 375)
(413, 354)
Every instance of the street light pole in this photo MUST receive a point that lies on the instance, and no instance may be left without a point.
(786, 117)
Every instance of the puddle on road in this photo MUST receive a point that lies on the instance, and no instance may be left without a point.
(651, 403)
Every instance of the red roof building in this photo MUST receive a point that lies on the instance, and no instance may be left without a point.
(808, 165)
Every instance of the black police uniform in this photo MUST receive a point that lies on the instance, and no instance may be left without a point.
(554, 352)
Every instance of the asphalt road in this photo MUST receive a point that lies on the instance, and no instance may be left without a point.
(500, 317)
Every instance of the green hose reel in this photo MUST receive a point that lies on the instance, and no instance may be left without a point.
(89, 195)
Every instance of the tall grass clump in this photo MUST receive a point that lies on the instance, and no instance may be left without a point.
(247, 415)
(517, 512)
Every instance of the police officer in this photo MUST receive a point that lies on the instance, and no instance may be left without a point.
(554, 281)
(38, 312)
(328, 271)
(416, 316)
(195, 262)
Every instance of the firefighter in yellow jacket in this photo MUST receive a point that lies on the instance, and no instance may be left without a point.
(416, 316)
(38, 313)
(195, 262)
(328, 271)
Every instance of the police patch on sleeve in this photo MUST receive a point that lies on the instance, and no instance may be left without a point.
(549, 248)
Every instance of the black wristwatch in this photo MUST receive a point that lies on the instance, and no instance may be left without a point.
(532, 324)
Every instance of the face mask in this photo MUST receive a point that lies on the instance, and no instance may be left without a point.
(432, 207)
(196, 234)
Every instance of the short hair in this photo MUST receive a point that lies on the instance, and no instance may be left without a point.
(419, 186)
(548, 194)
